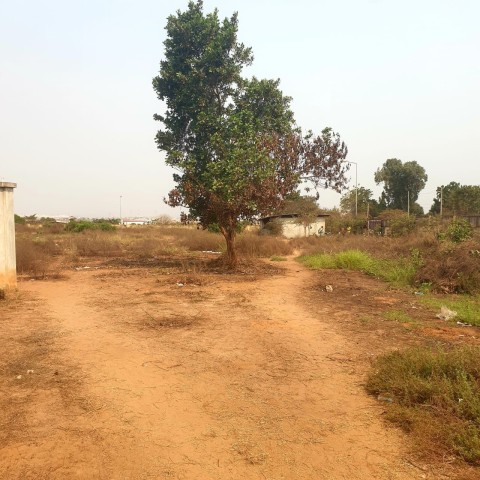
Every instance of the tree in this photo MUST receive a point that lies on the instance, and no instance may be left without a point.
(233, 141)
(457, 199)
(402, 183)
(363, 197)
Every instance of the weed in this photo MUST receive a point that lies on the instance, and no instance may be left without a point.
(436, 397)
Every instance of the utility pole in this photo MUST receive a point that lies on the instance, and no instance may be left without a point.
(368, 218)
(121, 221)
(408, 202)
(441, 200)
(356, 189)
(356, 185)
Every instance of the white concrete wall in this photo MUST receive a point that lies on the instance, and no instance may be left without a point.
(8, 269)
(291, 229)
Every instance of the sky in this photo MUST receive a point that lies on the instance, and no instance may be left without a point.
(396, 78)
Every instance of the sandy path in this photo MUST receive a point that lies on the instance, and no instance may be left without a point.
(240, 380)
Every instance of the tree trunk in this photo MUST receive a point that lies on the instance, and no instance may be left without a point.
(230, 235)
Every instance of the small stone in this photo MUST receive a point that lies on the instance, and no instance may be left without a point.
(19, 377)
(329, 288)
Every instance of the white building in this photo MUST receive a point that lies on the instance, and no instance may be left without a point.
(136, 221)
(293, 228)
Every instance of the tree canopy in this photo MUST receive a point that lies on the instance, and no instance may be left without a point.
(402, 182)
(233, 141)
(457, 199)
(363, 197)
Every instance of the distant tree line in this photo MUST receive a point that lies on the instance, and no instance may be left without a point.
(402, 184)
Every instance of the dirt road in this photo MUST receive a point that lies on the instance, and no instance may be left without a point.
(141, 374)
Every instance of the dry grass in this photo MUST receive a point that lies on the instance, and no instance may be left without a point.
(35, 256)
(254, 245)
(442, 265)
(452, 268)
(434, 394)
(381, 247)
(95, 244)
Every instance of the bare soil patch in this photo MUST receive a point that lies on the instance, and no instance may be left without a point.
(171, 370)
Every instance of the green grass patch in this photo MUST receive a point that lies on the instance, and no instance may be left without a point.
(277, 258)
(435, 396)
(399, 272)
(467, 307)
(398, 316)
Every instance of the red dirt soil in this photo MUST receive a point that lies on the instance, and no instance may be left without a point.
(134, 374)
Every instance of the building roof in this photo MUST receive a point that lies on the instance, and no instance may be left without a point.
(289, 215)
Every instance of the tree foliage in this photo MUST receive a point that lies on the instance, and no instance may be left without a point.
(232, 141)
(363, 197)
(400, 181)
(457, 199)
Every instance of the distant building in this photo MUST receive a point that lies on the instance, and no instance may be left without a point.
(292, 228)
(62, 218)
(128, 222)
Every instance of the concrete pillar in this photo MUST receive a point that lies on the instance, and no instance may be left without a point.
(8, 269)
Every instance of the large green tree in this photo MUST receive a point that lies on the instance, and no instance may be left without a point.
(457, 199)
(402, 182)
(232, 141)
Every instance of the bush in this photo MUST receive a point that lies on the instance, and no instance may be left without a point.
(399, 222)
(459, 230)
(77, 226)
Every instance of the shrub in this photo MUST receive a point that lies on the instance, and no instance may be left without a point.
(399, 222)
(77, 226)
(459, 230)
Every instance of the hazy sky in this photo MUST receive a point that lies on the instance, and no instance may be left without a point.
(396, 78)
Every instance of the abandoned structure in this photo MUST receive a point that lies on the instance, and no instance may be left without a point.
(291, 226)
(8, 270)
